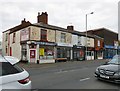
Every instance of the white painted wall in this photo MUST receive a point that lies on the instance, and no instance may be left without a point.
(5, 43)
(74, 39)
(16, 47)
(90, 41)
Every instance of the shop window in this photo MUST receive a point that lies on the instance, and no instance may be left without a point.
(14, 35)
(63, 37)
(24, 52)
(43, 35)
(61, 53)
(46, 53)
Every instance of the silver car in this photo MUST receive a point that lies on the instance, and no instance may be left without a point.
(12, 76)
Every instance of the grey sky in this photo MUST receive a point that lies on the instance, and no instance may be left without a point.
(60, 13)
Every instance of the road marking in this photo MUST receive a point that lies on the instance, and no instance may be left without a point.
(84, 79)
(61, 72)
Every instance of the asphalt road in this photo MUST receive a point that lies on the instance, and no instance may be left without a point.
(68, 75)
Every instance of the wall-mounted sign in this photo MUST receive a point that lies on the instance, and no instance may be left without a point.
(65, 44)
(46, 43)
(98, 42)
(109, 46)
(24, 34)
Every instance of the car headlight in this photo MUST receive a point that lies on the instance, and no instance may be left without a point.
(117, 73)
(96, 69)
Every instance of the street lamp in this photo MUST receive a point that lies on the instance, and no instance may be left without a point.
(86, 31)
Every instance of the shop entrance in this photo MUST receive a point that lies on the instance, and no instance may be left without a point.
(32, 55)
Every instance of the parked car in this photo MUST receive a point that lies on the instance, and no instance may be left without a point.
(110, 71)
(12, 76)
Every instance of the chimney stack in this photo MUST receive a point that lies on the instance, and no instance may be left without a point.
(42, 18)
(70, 28)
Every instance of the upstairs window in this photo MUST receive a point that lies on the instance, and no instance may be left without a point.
(63, 37)
(14, 35)
(6, 37)
(43, 35)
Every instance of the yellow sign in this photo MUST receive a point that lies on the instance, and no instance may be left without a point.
(41, 51)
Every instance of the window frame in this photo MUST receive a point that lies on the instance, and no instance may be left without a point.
(63, 37)
(14, 35)
(43, 35)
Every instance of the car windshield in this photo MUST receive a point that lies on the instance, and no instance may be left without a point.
(115, 60)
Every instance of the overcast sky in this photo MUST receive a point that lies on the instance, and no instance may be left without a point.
(60, 13)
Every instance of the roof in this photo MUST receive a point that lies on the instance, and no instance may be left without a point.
(26, 24)
(21, 26)
(60, 29)
(98, 29)
(18, 27)
(98, 37)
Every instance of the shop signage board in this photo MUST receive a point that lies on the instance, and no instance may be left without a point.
(24, 34)
(109, 46)
(46, 43)
(64, 44)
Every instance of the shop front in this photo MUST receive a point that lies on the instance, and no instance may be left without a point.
(63, 52)
(109, 51)
(90, 53)
(99, 54)
(46, 52)
(29, 52)
(78, 53)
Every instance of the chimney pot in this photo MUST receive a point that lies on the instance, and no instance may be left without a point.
(23, 21)
(38, 13)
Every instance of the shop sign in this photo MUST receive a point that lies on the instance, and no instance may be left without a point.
(109, 46)
(46, 43)
(65, 44)
(98, 42)
(24, 34)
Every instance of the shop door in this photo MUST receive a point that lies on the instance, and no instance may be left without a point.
(32, 56)
(10, 51)
(88, 55)
(92, 55)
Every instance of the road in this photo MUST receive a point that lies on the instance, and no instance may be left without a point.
(68, 75)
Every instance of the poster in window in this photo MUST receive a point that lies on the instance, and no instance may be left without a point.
(42, 51)
(49, 52)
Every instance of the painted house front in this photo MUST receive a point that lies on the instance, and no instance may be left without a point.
(78, 49)
(5, 43)
(64, 45)
(89, 47)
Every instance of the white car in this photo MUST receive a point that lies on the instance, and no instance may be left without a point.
(12, 76)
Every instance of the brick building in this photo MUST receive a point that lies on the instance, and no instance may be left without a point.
(110, 41)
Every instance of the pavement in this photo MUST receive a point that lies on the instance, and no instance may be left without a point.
(44, 65)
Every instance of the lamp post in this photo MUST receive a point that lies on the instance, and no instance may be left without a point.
(86, 31)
